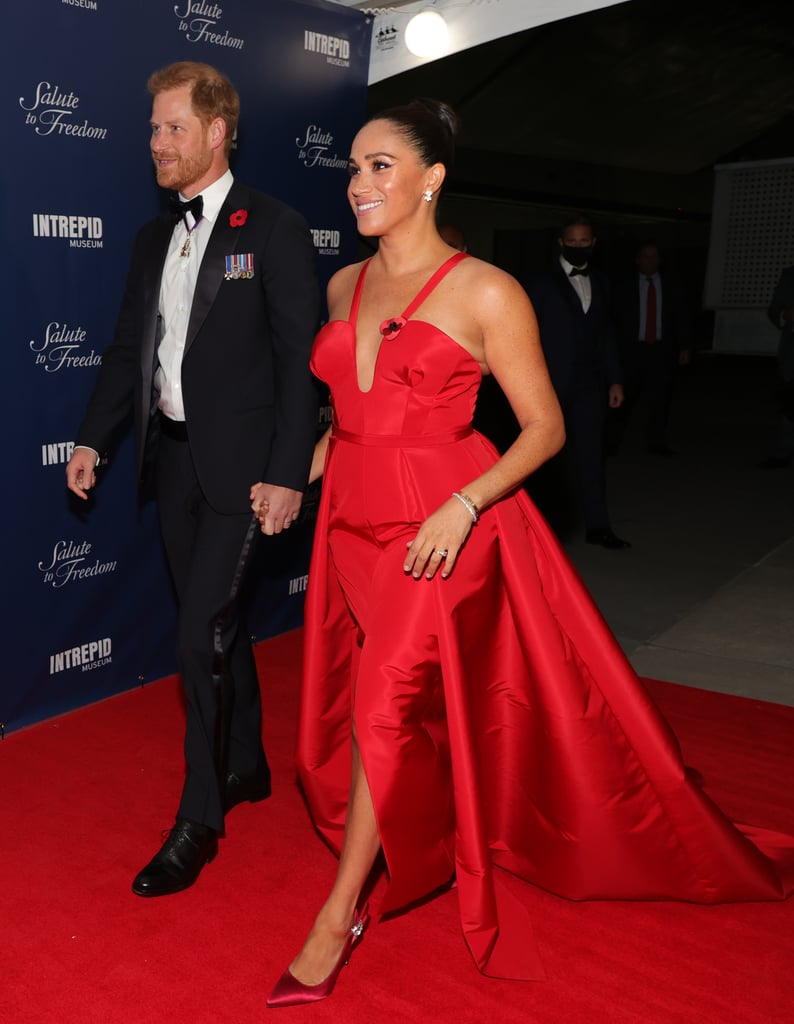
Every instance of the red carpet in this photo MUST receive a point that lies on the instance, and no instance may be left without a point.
(84, 798)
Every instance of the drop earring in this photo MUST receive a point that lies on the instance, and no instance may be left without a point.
(427, 195)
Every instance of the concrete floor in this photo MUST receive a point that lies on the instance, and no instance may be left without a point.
(705, 596)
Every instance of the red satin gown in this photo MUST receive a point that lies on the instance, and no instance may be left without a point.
(500, 726)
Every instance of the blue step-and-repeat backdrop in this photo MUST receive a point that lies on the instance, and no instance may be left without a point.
(88, 604)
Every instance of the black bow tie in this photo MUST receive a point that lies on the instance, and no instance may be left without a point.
(580, 270)
(180, 210)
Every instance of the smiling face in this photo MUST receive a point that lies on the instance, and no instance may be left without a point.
(187, 152)
(388, 180)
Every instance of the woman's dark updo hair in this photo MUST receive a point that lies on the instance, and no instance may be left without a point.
(429, 126)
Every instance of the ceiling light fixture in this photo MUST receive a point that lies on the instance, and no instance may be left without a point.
(427, 35)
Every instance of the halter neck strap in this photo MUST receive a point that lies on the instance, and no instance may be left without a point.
(353, 314)
(438, 275)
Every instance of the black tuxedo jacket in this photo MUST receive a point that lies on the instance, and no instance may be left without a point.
(783, 298)
(676, 321)
(574, 342)
(250, 400)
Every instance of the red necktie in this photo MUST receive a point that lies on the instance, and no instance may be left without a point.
(650, 314)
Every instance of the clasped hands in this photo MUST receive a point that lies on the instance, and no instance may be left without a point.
(275, 507)
(438, 542)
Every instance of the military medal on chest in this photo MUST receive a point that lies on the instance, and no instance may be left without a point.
(239, 266)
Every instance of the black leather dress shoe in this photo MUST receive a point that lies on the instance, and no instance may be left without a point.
(660, 449)
(607, 539)
(187, 849)
(238, 790)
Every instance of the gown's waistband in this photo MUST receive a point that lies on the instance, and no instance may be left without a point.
(403, 440)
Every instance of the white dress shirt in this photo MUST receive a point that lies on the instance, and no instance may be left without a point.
(176, 297)
(178, 284)
(579, 282)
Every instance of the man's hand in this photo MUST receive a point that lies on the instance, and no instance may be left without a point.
(80, 475)
(275, 507)
(616, 396)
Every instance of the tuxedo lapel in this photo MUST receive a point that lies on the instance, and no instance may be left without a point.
(152, 277)
(566, 289)
(570, 294)
(223, 241)
(596, 296)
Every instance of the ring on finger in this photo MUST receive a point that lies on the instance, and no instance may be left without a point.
(442, 554)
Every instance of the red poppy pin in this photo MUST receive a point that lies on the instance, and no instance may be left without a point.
(238, 218)
(392, 326)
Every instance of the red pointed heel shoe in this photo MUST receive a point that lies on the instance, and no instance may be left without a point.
(291, 992)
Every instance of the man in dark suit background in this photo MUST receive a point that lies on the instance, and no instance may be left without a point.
(210, 355)
(781, 313)
(654, 332)
(572, 304)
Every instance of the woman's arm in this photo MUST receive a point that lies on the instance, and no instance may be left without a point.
(512, 353)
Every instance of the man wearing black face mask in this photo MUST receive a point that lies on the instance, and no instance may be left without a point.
(572, 306)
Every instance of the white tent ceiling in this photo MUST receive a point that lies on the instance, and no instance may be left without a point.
(469, 23)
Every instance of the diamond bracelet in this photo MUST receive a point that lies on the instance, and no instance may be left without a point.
(471, 508)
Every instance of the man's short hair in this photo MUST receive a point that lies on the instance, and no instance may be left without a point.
(576, 220)
(212, 94)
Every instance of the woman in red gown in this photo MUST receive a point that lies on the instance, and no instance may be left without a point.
(465, 710)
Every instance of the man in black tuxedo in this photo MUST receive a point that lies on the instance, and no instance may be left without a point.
(654, 332)
(210, 355)
(572, 305)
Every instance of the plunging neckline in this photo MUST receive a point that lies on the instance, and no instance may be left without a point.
(405, 316)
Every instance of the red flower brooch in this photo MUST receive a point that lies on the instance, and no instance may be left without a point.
(392, 326)
(238, 218)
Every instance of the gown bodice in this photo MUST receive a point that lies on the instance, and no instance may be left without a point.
(425, 383)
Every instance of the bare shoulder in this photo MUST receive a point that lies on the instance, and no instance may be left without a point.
(340, 290)
(489, 289)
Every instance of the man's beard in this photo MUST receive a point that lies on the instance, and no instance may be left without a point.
(186, 170)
